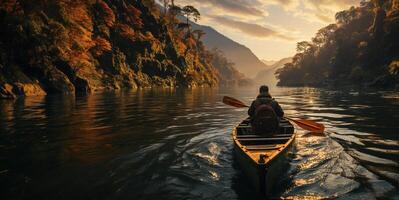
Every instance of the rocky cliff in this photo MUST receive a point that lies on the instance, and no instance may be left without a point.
(69, 46)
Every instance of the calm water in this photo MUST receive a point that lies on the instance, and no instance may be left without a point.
(175, 144)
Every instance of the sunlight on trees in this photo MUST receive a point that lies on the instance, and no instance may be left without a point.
(358, 49)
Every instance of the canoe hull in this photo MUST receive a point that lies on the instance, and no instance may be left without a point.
(263, 175)
(253, 172)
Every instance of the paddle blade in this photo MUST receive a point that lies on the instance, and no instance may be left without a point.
(309, 125)
(233, 102)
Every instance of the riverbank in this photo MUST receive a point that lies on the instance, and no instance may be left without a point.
(16, 90)
(386, 82)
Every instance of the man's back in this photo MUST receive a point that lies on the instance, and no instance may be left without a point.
(265, 99)
(265, 113)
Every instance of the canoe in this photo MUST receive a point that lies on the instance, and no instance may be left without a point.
(263, 159)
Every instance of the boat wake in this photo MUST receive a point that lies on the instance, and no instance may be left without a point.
(321, 168)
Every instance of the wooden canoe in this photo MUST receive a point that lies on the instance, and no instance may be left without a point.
(263, 158)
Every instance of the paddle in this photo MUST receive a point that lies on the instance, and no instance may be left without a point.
(305, 124)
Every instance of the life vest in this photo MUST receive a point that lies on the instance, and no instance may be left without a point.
(265, 120)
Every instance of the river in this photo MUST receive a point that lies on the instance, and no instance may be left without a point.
(176, 144)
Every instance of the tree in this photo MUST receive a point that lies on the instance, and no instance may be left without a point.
(165, 6)
(324, 35)
(188, 12)
(175, 10)
(344, 17)
(379, 16)
(361, 48)
(101, 46)
(304, 47)
(134, 16)
(106, 13)
(199, 34)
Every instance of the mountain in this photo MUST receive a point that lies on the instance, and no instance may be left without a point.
(228, 75)
(268, 62)
(56, 46)
(244, 59)
(268, 76)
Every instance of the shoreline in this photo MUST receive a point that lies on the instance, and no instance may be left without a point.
(31, 90)
(344, 87)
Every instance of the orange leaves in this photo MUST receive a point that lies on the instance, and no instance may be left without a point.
(190, 42)
(133, 16)
(155, 43)
(126, 32)
(101, 46)
(150, 37)
(81, 28)
(78, 13)
(80, 32)
(107, 13)
(180, 46)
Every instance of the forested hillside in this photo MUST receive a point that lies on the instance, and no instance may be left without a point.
(227, 73)
(361, 48)
(66, 46)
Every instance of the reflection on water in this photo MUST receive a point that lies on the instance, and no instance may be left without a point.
(175, 144)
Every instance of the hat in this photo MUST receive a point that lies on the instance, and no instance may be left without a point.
(264, 89)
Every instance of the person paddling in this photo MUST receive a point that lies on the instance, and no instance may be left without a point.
(265, 113)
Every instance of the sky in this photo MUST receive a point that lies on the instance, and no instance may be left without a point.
(270, 28)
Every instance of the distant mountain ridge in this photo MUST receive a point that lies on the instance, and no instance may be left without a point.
(267, 76)
(268, 62)
(244, 59)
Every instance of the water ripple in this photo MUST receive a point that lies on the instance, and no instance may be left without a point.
(176, 144)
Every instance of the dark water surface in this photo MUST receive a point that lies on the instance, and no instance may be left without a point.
(176, 144)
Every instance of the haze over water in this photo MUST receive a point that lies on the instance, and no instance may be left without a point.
(176, 144)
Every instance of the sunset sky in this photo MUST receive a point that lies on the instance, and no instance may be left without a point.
(270, 28)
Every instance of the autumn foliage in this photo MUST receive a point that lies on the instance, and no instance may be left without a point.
(74, 45)
(106, 13)
(101, 46)
(133, 16)
(126, 32)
